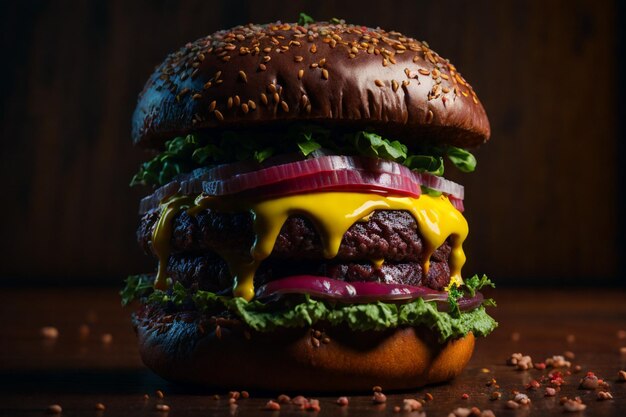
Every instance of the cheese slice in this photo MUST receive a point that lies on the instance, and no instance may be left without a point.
(332, 213)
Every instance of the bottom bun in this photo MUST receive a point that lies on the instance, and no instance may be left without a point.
(187, 348)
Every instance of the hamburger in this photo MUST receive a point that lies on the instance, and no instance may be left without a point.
(297, 213)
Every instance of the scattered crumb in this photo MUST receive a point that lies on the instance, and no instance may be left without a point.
(621, 376)
(299, 400)
(106, 338)
(521, 399)
(410, 404)
(159, 394)
(428, 396)
(574, 405)
(577, 368)
(100, 407)
(569, 355)
(533, 385)
(485, 370)
(245, 394)
(232, 400)
(146, 397)
(49, 332)
(313, 405)
(234, 395)
(54, 408)
(558, 361)
(342, 401)
(550, 392)
(512, 404)
(396, 409)
(162, 407)
(570, 338)
(216, 397)
(377, 388)
(541, 366)
(604, 395)
(515, 336)
(272, 406)
(589, 381)
(522, 362)
(379, 398)
(284, 399)
(621, 334)
(622, 350)
(495, 396)
(460, 412)
(465, 396)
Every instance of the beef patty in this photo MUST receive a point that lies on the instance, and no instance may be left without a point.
(390, 235)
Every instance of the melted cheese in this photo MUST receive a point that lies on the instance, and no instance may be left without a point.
(332, 213)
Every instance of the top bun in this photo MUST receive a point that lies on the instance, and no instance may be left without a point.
(331, 73)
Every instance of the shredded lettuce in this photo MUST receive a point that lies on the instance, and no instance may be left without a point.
(186, 153)
(306, 311)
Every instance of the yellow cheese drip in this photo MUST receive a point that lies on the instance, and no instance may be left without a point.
(378, 262)
(162, 233)
(333, 213)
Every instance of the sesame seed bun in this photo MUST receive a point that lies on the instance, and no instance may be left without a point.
(191, 349)
(334, 74)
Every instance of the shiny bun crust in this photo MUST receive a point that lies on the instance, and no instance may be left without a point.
(192, 350)
(335, 74)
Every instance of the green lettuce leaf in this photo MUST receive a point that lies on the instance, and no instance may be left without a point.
(305, 311)
(186, 153)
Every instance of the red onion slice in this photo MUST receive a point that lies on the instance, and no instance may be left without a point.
(360, 292)
(336, 180)
(287, 174)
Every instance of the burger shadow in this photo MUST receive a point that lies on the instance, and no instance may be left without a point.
(81, 381)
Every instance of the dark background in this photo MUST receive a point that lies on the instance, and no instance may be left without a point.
(543, 206)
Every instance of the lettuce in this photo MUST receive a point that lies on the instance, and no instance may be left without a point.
(305, 311)
(186, 153)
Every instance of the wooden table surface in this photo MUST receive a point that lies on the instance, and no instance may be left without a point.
(79, 371)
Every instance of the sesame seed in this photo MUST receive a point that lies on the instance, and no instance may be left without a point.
(313, 65)
(308, 108)
(354, 50)
(304, 100)
(196, 96)
(475, 99)
(284, 106)
(212, 105)
(244, 108)
(313, 49)
(300, 74)
(218, 74)
(429, 116)
(219, 115)
(200, 57)
(298, 58)
(229, 103)
(267, 58)
(207, 85)
(226, 58)
(264, 99)
(379, 83)
(445, 90)
(262, 67)
(394, 85)
(325, 73)
(271, 88)
(276, 97)
(444, 76)
(405, 83)
(243, 76)
(252, 105)
(322, 62)
(236, 101)
(423, 71)
(416, 58)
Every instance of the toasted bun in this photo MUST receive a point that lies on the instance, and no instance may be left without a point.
(190, 350)
(335, 74)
